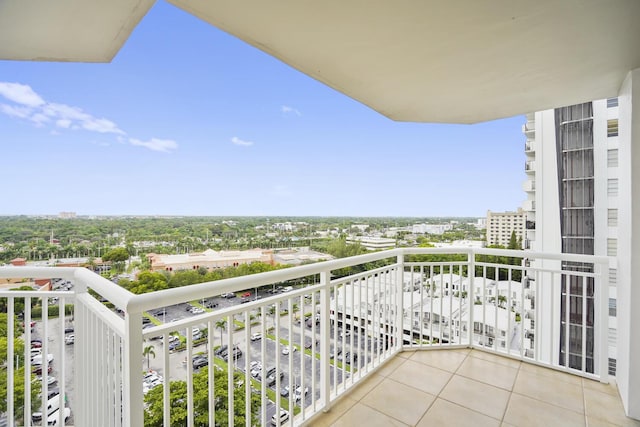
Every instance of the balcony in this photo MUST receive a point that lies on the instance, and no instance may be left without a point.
(529, 205)
(464, 387)
(530, 166)
(529, 186)
(347, 332)
(529, 147)
(529, 129)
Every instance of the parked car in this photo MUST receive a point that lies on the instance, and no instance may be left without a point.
(256, 368)
(298, 392)
(271, 379)
(36, 343)
(221, 349)
(237, 353)
(53, 404)
(37, 359)
(38, 370)
(256, 336)
(197, 310)
(53, 418)
(70, 339)
(283, 416)
(285, 391)
(287, 349)
(200, 361)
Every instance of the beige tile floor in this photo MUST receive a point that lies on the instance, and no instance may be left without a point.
(474, 388)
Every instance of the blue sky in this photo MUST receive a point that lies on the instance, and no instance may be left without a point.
(188, 120)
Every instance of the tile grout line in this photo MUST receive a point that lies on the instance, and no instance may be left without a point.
(511, 394)
(445, 386)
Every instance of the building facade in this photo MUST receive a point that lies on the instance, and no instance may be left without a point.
(500, 226)
(208, 259)
(572, 206)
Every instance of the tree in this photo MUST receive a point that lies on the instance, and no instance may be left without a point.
(117, 256)
(295, 308)
(154, 416)
(148, 351)
(222, 325)
(513, 241)
(18, 377)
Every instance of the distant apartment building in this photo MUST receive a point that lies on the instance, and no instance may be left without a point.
(431, 228)
(208, 259)
(67, 215)
(572, 204)
(500, 226)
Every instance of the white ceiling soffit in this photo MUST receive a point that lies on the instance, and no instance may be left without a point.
(67, 30)
(444, 61)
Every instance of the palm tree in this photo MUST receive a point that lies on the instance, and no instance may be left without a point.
(222, 325)
(148, 351)
(271, 311)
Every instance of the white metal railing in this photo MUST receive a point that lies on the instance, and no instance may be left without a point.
(322, 337)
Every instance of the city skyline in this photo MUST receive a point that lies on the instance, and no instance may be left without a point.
(188, 120)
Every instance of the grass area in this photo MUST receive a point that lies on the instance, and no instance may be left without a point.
(152, 318)
(334, 362)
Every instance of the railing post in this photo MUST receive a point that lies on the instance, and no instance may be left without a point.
(133, 402)
(471, 294)
(10, 364)
(325, 340)
(601, 291)
(399, 306)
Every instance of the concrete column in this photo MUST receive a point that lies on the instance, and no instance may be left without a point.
(628, 363)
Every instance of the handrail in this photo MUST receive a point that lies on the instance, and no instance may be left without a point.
(117, 295)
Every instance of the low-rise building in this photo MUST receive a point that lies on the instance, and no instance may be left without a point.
(208, 259)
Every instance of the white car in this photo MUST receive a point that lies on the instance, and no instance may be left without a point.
(53, 418)
(197, 310)
(70, 339)
(53, 405)
(256, 369)
(256, 336)
(50, 380)
(284, 416)
(37, 360)
(286, 350)
(297, 394)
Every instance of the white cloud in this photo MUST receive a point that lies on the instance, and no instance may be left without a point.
(15, 111)
(238, 141)
(102, 126)
(64, 111)
(63, 123)
(20, 94)
(163, 145)
(39, 119)
(290, 110)
(28, 105)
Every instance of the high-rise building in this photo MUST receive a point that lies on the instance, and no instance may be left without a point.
(572, 206)
(500, 226)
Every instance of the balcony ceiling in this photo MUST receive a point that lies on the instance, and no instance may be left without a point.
(411, 60)
(67, 30)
